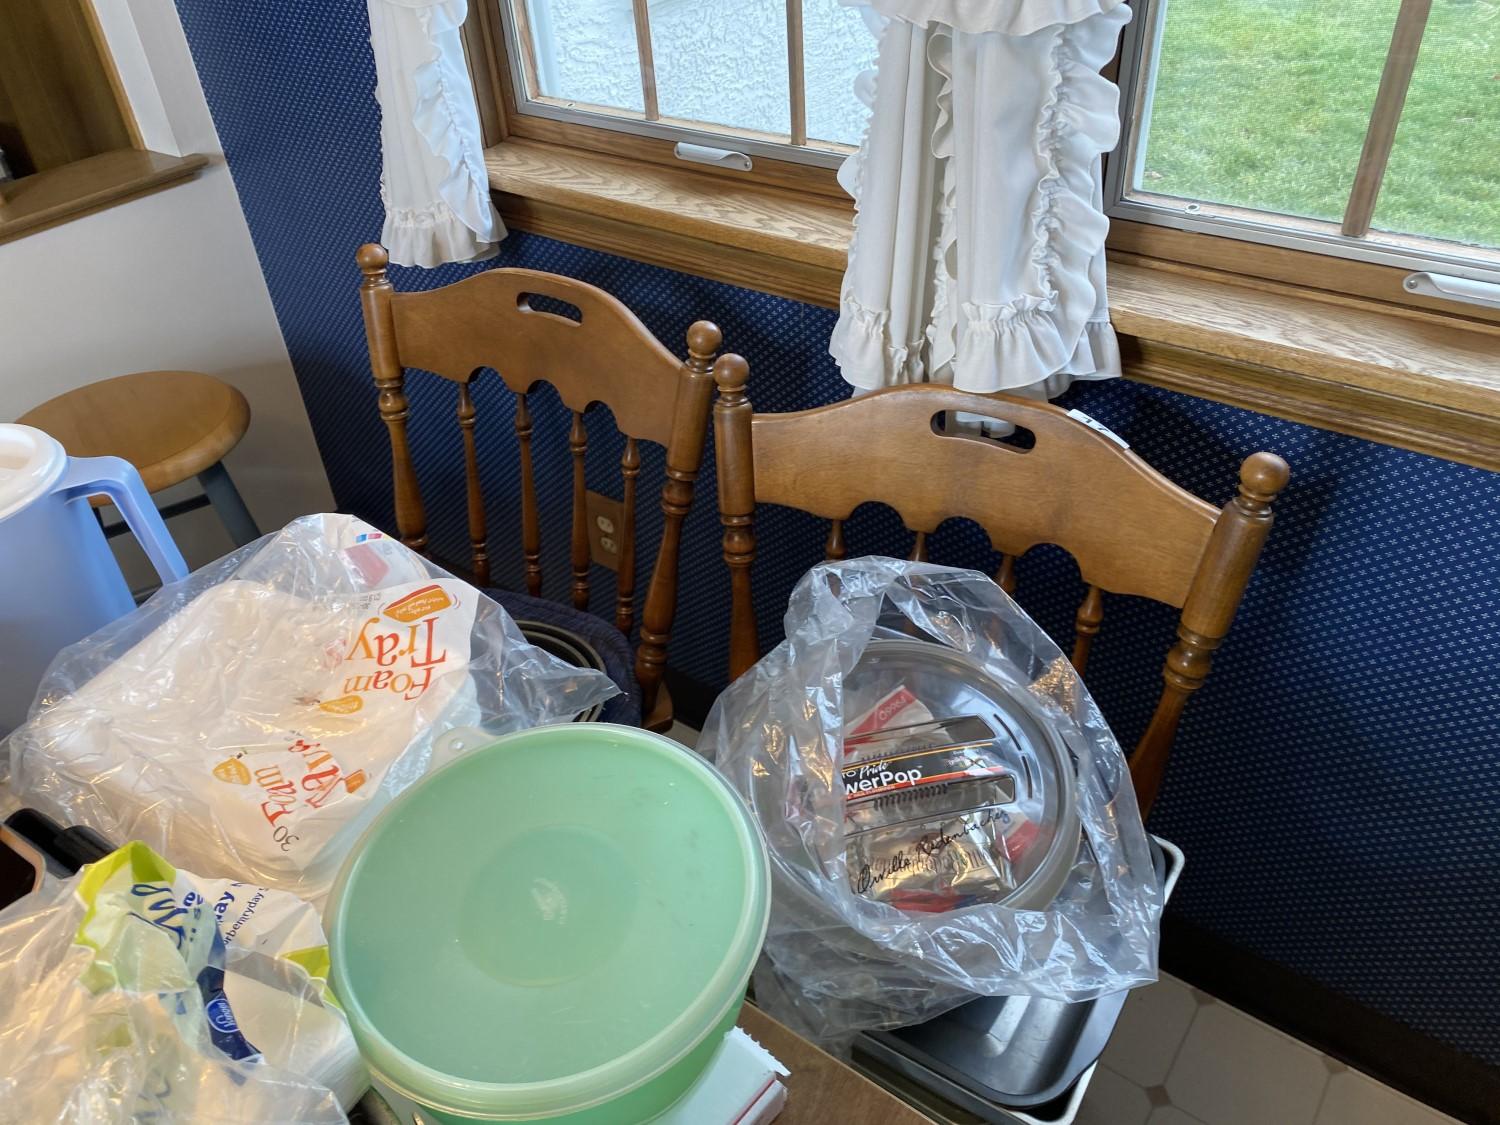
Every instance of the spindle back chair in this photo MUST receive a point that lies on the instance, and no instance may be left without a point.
(606, 356)
(1131, 530)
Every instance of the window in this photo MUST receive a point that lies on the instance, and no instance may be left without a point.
(1363, 130)
(1292, 133)
(765, 78)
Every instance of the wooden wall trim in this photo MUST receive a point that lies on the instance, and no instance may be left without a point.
(1407, 423)
(1405, 377)
(45, 199)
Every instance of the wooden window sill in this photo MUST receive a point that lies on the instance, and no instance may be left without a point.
(1410, 378)
(67, 192)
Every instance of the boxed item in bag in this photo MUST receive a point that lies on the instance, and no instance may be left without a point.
(249, 721)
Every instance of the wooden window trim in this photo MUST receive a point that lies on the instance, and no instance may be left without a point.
(1408, 377)
(1332, 343)
(501, 118)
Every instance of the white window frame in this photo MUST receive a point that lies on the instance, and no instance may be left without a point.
(530, 102)
(1405, 252)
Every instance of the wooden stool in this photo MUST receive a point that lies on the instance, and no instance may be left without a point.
(170, 425)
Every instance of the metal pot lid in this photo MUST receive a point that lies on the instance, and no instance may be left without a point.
(899, 682)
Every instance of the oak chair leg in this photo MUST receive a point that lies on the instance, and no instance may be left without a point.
(531, 525)
(1086, 627)
(390, 379)
(578, 442)
(630, 469)
(834, 548)
(1005, 577)
(478, 537)
(684, 455)
(736, 476)
(1228, 561)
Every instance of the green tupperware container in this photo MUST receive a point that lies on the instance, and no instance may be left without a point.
(558, 925)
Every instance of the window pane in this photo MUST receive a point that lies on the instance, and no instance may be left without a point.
(837, 46)
(1443, 179)
(722, 63)
(1264, 105)
(585, 51)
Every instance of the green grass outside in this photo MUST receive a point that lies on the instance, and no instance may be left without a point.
(1264, 103)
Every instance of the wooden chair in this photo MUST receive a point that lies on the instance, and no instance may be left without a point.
(1131, 530)
(607, 356)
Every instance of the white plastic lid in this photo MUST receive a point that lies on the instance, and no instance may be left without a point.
(30, 461)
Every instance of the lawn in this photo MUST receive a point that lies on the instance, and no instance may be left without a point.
(1264, 103)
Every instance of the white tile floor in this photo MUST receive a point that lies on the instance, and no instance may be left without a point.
(1180, 1057)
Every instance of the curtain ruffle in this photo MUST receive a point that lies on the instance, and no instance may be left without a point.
(441, 213)
(1013, 17)
(868, 357)
(1030, 339)
(1055, 327)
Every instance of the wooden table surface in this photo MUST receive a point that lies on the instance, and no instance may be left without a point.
(821, 1090)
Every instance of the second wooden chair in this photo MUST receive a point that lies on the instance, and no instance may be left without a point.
(605, 356)
(1131, 530)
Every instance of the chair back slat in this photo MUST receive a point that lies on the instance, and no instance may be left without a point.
(578, 443)
(929, 476)
(478, 537)
(630, 469)
(1086, 626)
(834, 548)
(1130, 529)
(1005, 577)
(531, 526)
(605, 356)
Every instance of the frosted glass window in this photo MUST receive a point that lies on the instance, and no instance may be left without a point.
(714, 66)
(837, 47)
(722, 63)
(585, 52)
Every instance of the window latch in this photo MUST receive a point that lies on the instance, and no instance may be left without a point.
(719, 157)
(1465, 289)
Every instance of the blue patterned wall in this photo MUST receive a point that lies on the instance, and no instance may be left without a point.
(1335, 784)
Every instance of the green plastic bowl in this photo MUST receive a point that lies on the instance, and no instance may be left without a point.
(558, 925)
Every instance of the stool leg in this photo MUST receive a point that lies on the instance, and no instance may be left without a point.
(226, 501)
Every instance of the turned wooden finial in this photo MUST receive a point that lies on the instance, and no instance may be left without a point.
(373, 260)
(731, 373)
(1262, 477)
(703, 340)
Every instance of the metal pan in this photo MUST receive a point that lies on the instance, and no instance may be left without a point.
(1006, 1059)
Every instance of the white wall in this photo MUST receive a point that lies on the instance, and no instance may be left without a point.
(166, 282)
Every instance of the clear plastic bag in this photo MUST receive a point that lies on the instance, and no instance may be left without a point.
(249, 721)
(837, 961)
(136, 992)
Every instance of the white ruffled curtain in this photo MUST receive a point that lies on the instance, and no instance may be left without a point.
(433, 182)
(978, 251)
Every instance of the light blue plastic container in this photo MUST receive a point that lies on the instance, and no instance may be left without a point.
(59, 581)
